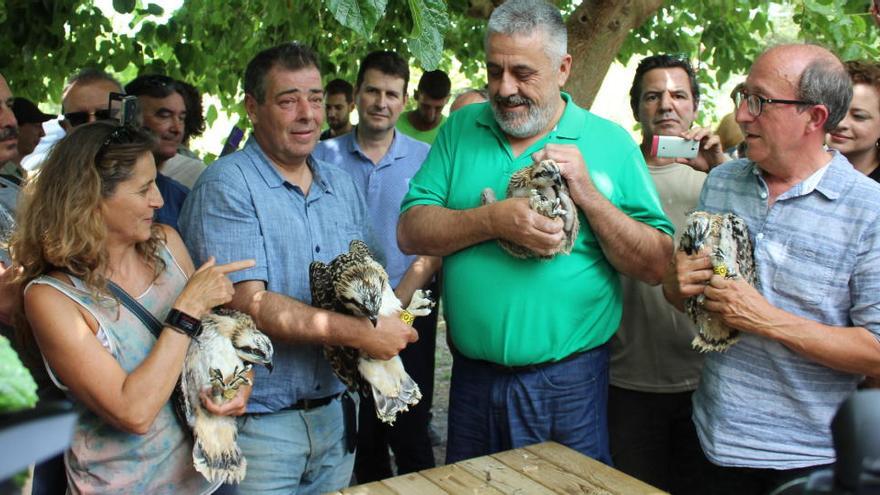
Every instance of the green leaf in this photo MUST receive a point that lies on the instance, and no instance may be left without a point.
(360, 16)
(154, 9)
(430, 22)
(819, 8)
(124, 6)
(211, 114)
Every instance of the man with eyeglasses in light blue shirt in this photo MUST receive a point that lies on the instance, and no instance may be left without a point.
(810, 328)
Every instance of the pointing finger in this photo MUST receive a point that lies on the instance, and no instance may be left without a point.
(207, 264)
(236, 266)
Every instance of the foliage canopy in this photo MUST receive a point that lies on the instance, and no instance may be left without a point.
(208, 42)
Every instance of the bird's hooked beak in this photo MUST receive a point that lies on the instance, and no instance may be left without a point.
(269, 367)
(374, 320)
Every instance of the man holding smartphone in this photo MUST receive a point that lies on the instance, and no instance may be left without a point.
(654, 371)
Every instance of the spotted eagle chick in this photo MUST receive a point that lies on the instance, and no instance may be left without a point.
(543, 184)
(355, 284)
(219, 360)
(725, 237)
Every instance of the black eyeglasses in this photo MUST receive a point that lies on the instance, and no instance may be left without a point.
(124, 134)
(79, 118)
(755, 103)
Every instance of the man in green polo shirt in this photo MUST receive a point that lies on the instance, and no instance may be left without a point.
(529, 336)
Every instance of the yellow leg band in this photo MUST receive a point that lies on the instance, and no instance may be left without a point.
(407, 317)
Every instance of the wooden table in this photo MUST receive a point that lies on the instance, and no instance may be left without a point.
(544, 468)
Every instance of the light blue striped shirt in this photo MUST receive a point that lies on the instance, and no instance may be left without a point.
(242, 207)
(817, 249)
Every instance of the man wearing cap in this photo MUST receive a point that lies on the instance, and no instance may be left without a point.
(30, 125)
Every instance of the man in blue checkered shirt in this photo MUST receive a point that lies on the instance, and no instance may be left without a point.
(811, 327)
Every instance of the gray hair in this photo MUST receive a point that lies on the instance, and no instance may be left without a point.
(87, 76)
(825, 81)
(524, 17)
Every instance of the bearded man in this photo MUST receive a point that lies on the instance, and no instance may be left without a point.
(532, 334)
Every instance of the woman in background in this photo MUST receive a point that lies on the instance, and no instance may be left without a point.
(858, 134)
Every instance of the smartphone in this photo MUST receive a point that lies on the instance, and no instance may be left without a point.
(674, 147)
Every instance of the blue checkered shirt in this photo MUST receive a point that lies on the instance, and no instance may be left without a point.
(241, 207)
(817, 249)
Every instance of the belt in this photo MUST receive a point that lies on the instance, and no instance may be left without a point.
(529, 367)
(517, 369)
(308, 404)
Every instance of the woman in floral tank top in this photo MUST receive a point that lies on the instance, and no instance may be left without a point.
(85, 220)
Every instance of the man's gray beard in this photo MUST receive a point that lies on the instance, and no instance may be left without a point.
(536, 119)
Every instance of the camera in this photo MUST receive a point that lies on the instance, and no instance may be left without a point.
(125, 108)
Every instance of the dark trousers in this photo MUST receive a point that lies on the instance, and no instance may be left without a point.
(493, 409)
(653, 438)
(752, 481)
(408, 438)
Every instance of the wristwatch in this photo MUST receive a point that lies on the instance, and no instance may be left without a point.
(183, 323)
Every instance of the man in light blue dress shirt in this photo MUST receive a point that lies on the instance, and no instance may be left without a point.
(382, 161)
(275, 202)
(811, 327)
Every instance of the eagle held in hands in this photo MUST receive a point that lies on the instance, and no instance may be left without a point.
(547, 191)
(220, 359)
(355, 284)
(726, 239)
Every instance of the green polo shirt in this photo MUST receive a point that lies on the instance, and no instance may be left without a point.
(404, 126)
(517, 312)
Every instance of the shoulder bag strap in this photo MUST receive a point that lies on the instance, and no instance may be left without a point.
(147, 318)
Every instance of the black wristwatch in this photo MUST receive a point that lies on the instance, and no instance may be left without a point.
(183, 323)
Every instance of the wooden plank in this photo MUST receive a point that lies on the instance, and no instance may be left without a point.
(591, 470)
(457, 481)
(548, 474)
(502, 477)
(413, 483)
(374, 488)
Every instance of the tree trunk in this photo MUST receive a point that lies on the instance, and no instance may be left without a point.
(596, 31)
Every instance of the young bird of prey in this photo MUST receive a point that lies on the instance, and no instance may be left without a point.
(548, 194)
(219, 359)
(355, 284)
(726, 238)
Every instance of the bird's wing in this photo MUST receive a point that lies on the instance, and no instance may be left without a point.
(359, 248)
(185, 400)
(321, 285)
(342, 359)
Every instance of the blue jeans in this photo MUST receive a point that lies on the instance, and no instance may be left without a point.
(491, 410)
(292, 451)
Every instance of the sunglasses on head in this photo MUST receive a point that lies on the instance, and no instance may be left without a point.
(123, 134)
(80, 118)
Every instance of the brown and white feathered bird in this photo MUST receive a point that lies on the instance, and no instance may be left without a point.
(219, 359)
(355, 284)
(725, 238)
(548, 194)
